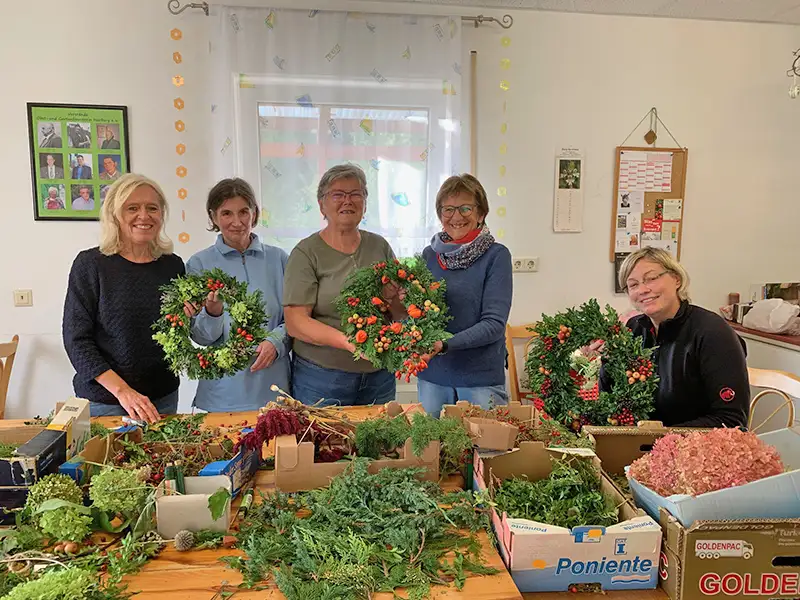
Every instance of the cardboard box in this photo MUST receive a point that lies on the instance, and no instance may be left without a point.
(753, 558)
(39, 454)
(776, 497)
(190, 511)
(296, 471)
(489, 433)
(238, 470)
(618, 447)
(545, 558)
(72, 417)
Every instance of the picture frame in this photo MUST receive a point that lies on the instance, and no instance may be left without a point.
(77, 151)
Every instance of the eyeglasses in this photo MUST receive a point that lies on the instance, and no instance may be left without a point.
(647, 280)
(465, 210)
(338, 196)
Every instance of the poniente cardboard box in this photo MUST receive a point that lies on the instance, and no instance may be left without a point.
(489, 433)
(544, 558)
(754, 558)
(296, 471)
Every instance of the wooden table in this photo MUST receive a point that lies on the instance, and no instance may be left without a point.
(198, 574)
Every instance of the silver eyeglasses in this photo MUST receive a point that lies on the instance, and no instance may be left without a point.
(339, 196)
(632, 286)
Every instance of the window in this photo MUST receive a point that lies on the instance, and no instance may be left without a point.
(298, 144)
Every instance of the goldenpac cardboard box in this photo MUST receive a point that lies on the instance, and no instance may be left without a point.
(753, 558)
(489, 433)
(545, 558)
(72, 417)
(776, 497)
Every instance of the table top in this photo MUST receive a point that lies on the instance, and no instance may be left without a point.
(199, 574)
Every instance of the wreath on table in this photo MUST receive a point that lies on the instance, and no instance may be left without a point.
(564, 373)
(397, 346)
(248, 325)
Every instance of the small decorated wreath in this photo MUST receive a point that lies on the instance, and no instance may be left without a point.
(248, 325)
(395, 346)
(563, 374)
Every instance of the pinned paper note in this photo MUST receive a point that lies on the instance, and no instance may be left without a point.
(629, 201)
(629, 221)
(670, 230)
(651, 226)
(626, 241)
(673, 209)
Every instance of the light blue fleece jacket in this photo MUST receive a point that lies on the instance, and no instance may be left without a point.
(261, 267)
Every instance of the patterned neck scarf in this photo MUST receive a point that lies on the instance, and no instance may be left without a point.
(452, 255)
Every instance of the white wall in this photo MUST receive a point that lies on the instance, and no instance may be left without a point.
(576, 80)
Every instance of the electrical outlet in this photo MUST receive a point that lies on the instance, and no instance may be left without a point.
(23, 297)
(525, 264)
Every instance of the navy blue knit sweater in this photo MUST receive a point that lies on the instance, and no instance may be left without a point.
(479, 299)
(110, 307)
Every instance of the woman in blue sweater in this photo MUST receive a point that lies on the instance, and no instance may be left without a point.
(471, 364)
(233, 211)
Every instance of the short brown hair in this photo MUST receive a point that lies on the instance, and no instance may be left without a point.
(227, 189)
(463, 183)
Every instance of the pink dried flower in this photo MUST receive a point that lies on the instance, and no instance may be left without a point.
(703, 462)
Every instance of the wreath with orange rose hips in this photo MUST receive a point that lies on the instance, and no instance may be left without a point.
(555, 379)
(247, 325)
(397, 346)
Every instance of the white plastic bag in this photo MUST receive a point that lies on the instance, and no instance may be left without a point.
(773, 316)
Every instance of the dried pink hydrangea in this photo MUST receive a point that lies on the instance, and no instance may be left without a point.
(703, 462)
(656, 470)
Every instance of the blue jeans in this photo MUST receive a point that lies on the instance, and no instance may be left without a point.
(433, 397)
(310, 382)
(168, 405)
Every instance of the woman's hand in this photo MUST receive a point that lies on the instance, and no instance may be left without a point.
(213, 304)
(394, 296)
(137, 406)
(437, 347)
(267, 353)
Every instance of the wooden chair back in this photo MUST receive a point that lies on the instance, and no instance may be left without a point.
(7, 352)
(518, 332)
(780, 383)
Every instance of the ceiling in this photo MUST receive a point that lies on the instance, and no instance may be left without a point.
(761, 11)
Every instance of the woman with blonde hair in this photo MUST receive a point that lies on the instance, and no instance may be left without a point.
(700, 359)
(112, 300)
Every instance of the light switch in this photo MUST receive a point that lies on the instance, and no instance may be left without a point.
(23, 297)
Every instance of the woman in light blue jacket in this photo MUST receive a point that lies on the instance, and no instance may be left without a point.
(233, 211)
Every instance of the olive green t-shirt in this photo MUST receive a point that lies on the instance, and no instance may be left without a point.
(315, 276)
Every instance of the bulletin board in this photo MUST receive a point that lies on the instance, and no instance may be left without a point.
(649, 198)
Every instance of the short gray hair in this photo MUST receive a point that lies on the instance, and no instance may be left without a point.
(660, 257)
(347, 171)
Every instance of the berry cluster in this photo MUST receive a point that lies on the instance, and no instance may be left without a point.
(175, 320)
(623, 418)
(641, 369)
(214, 284)
(564, 333)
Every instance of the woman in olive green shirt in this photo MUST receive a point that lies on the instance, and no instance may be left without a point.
(323, 364)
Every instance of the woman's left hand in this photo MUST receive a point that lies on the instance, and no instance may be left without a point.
(437, 347)
(267, 353)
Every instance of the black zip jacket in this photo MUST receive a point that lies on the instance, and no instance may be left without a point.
(702, 369)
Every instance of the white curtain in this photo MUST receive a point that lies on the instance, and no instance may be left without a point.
(296, 92)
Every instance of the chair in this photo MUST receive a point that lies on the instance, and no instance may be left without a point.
(783, 384)
(518, 332)
(7, 352)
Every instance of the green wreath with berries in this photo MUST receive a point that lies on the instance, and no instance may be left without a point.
(397, 346)
(172, 330)
(556, 374)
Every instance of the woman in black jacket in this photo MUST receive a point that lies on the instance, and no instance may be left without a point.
(700, 359)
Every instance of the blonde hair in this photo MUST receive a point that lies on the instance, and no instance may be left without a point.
(111, 212)
(660, 257)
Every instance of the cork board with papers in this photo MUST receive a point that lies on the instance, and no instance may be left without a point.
(649, 187)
